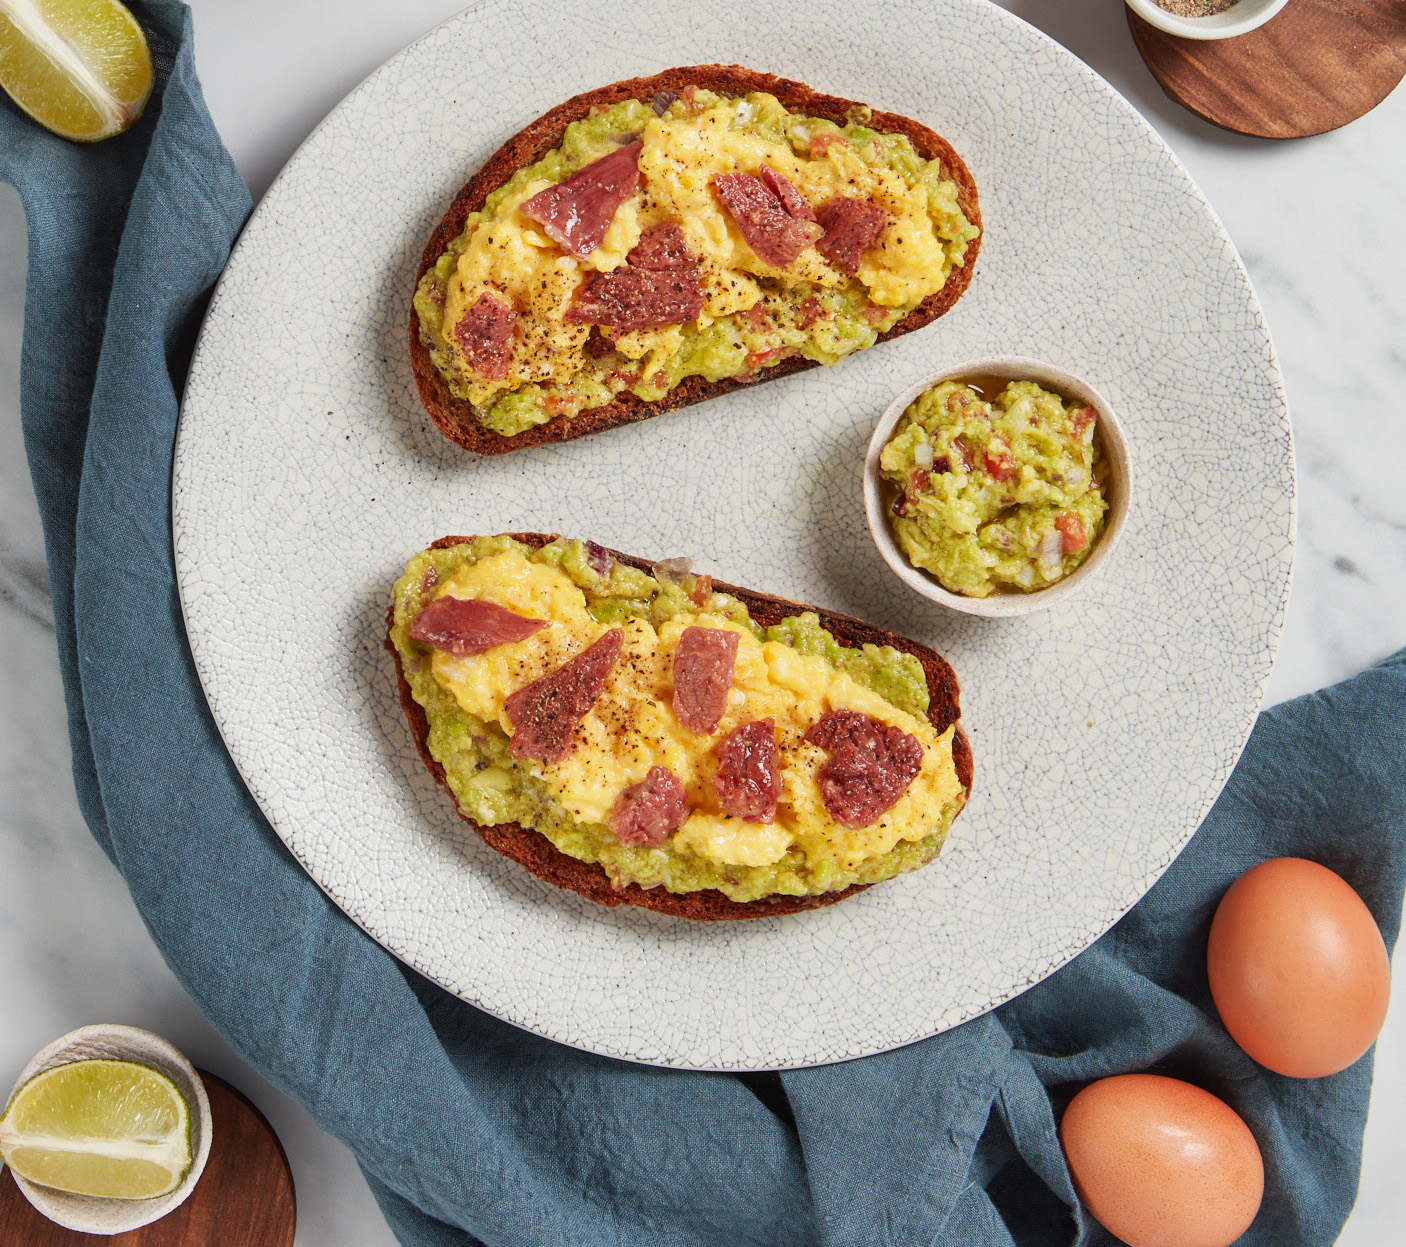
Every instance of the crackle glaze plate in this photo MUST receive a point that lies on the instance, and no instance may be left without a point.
(307, 473)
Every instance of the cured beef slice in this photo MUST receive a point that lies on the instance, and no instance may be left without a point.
(629, 298)
(545, 713)
(785, 190)
(463, 626)
(647, 812)
(482, 334)
(577, 212)
(657, 285)
(772, 232)
(703, 666)
(870, 765)
(851, 226)
(749, 775)
(598, 345)
(662, 246)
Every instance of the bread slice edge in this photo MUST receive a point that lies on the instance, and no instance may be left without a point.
(531, 849)
(455, 417)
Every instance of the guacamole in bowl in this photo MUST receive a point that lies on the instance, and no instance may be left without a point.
(997, 485)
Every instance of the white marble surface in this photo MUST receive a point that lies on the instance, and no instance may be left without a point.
(75, 949)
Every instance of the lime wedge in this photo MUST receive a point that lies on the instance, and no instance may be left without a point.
(108, 1128)
(80, 68)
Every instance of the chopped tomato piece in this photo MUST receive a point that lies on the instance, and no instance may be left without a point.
(755, 359)
(918, 480)
(558, 404)
(1073, 538)
(1000, 463)
(756, 318)
(822, 143)
(1082, 420)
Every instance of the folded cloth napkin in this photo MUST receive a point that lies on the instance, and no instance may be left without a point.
(468, 1130)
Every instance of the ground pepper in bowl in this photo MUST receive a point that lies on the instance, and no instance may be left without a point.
(1194, 8)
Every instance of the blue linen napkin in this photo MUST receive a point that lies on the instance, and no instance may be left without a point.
(469, 1130)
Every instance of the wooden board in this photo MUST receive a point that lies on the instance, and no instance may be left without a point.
(1315, 66)
(243, 1199)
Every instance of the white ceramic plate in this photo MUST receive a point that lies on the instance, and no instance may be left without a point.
(307, 473)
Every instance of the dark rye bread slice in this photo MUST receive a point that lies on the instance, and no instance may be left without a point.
(532, 849)
(455, 416)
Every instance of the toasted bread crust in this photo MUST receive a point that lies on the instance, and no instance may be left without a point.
(532, 849)
(455, 417)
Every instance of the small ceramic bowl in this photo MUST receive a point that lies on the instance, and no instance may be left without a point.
(85, 1213)
(878, 494)
(1240, 18)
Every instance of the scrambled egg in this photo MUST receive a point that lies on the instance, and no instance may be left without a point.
(505, 253)
(632, 727)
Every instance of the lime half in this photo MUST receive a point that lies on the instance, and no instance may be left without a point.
(80, 68)
(108, 1128)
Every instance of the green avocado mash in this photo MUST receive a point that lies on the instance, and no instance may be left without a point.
(491, 787)
(823, 321)
(999, 496)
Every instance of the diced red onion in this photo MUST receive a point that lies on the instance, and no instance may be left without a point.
(922, 454)
(599, 559)
(675, 570)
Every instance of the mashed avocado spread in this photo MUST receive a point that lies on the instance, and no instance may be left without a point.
(1005, 495)
(792, 673)
(754, 313)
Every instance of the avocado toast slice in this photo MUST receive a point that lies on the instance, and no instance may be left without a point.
(909, 672)
(805, 310)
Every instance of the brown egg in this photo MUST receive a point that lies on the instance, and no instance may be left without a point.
(1161, 1163)
(1298, 968)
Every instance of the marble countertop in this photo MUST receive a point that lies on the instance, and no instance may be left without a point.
(1317, 223)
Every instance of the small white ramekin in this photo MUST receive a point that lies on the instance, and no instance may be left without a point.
(1240, 18)
(85, 1213)
(1108, 431)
